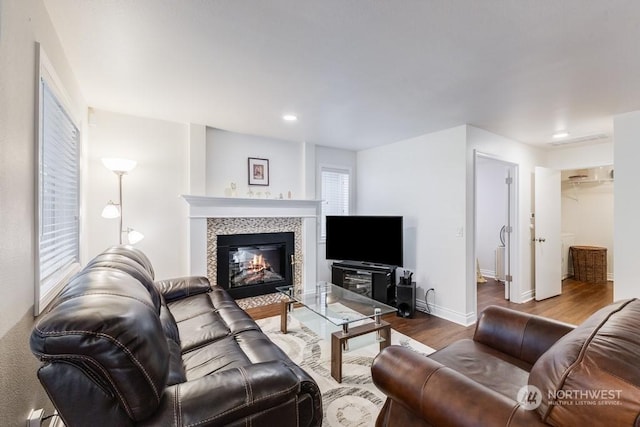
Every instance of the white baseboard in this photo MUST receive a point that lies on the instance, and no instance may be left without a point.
(448, 314)
(528, 295)
(488, 273)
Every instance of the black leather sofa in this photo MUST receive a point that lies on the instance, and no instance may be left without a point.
(119, 349)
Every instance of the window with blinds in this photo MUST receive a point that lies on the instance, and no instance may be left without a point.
(335, 195)
(58, 196)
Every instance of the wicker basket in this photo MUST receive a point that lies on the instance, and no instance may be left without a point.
(589, 263)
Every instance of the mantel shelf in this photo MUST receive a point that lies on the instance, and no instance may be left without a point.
(217, 207)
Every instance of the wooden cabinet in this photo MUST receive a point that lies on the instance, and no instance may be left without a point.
(374, 281)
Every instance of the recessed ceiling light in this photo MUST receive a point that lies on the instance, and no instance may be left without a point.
(560, 134)
(289, 118)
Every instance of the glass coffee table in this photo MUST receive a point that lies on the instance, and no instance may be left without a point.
(342, 308)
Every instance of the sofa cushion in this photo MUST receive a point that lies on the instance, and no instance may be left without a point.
(200, 320)
(485, 365)
(131, 267)
(244, 349)
(183, 287)
(592, 372)
(187, 308)
(133, 253)
(201, 330)
(222, 355)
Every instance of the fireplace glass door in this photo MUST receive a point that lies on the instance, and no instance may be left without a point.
(254, 265)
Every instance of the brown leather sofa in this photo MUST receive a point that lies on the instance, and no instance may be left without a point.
(119, 349)
(586, 375)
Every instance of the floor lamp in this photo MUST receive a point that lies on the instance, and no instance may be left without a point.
(114, 210)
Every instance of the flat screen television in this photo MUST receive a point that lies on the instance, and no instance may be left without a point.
(369, 239)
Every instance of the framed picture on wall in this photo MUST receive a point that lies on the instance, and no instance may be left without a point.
(258, 171)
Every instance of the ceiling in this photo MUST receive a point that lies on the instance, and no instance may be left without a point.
(359, 73)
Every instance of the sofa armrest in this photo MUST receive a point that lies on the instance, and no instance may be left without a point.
(521, 335)
(231, 396)
(182, 287)
(427, 390)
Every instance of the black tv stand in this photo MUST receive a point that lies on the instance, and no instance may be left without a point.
(377, 281)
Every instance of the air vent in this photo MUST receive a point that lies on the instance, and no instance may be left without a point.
(580, 139)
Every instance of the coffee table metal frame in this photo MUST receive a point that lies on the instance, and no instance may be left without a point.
(322, 299)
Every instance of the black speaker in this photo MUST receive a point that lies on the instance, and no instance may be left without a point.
(406, 299)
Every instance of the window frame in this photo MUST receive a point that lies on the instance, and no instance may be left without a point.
(335, 169)
(46, 290)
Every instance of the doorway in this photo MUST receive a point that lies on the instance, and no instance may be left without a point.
(495, 217)
(587, 214)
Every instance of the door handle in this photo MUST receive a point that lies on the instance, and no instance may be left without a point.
(540, 240)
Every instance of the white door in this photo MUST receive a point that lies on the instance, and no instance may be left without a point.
(546, 237)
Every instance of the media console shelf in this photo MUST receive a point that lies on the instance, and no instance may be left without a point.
(372, 280)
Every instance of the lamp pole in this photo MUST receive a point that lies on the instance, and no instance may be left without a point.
(120, 173)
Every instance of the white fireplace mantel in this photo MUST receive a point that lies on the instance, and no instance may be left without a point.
(234, 207)
(203, 207)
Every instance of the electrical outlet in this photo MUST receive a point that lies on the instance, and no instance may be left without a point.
(35, 418)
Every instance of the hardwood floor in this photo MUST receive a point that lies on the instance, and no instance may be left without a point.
(577, 301)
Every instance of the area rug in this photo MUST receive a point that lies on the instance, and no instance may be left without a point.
(354, 402)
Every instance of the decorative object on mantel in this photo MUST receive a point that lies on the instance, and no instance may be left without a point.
(231, 190)
(258, 171)
(114, 210)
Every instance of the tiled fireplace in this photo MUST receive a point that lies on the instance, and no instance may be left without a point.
(251, 256)
(248, 227)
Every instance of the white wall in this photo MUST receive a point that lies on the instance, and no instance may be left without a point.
(626, 204)
(580, 156)
(227, 161)
(151, 202)
(491, 211)
(424, 180)
(22, 24)
(338, 158)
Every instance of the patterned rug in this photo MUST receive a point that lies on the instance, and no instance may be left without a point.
(354, 402)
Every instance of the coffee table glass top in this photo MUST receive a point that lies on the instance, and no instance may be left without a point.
(336, 304)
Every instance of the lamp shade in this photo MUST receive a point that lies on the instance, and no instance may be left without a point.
(111, 210)
(134, 236)
(119, 165)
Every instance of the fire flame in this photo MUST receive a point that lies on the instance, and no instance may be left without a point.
(257, 263)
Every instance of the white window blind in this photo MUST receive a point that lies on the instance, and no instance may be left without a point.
(335, 195)
(58, 196)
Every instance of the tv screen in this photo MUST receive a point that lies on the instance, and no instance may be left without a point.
(372, 239)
